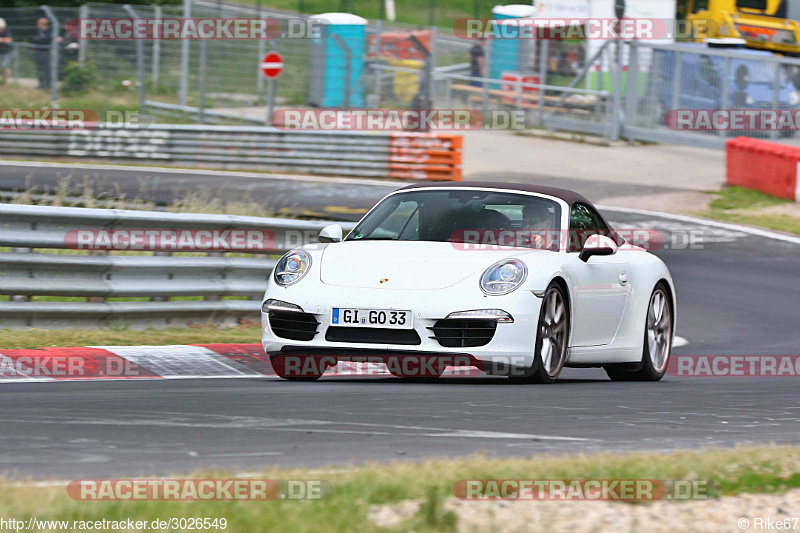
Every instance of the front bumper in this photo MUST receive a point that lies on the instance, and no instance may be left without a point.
(512, 343)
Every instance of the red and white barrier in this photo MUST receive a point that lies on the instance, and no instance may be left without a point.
(764, 166)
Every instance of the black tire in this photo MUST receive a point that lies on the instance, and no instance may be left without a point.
(279, 366)
(650, 368)
(553, 326)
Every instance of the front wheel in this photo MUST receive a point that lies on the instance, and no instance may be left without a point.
(657, 341)
(552, 340)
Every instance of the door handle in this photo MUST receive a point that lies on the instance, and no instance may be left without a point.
(623, 278)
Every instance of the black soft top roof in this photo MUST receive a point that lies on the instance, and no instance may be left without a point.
(570, 197)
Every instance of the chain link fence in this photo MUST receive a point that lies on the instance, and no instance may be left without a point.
(633, 90)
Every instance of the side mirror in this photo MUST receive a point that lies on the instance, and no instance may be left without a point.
(597, 245)
(332, 233)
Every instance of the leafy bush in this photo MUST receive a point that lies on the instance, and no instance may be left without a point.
(77, 79)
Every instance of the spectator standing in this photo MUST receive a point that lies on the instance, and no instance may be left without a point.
(6, 49)
(43, 39)
(476, 61)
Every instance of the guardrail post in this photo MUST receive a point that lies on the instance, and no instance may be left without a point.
(21, 297)
(616, 78)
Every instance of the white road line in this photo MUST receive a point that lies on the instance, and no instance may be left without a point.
(679, 341)
(706, 222)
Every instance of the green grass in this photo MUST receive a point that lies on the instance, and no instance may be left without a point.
(757, 470)
(10, 339)
(741, 198)
(745, 206)
(99, 101)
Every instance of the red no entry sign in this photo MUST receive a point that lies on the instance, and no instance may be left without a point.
(272, 65)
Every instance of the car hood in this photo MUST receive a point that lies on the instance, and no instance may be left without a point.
(406, 265)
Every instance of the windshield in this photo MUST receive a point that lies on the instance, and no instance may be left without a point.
(472, 216)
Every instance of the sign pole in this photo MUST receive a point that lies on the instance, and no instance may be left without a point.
(270, 100)
(271, 66)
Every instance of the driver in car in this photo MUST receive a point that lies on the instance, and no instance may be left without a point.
(537, 219)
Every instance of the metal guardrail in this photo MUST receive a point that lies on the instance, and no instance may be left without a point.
(341, 153)
(26, 273)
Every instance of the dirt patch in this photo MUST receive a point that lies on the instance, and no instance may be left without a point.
(721, 514)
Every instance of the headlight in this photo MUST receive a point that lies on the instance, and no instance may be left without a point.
(292, 267)
(503, 277)
(794, 98)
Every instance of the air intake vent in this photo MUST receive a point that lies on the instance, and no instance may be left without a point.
(464, 333)
(291, 325)
(373, 335)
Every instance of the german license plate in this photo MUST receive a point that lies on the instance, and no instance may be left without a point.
(372, 318)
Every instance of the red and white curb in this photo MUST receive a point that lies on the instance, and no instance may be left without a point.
(192, 361)
(195, 361)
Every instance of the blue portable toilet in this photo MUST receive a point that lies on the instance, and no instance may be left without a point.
(327, 84)
(505, 53)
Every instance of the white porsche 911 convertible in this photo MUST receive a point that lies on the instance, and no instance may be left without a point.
(516, 280)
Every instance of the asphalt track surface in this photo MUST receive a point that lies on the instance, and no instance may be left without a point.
(737, 295)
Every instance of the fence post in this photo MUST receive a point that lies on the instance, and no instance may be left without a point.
(54, 54)
(776, 89)
(139, 63)
(487, 63)
(201, 89)
(632, 87)
(430, 66)
(184, 84)
(156, 62)
(83, 43)
(616, 87)
(726, 75)
(378, 51)
(544, 50)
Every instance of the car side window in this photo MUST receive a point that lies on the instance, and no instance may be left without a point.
(584, 222)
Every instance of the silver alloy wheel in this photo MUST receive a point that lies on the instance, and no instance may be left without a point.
(553, 333)
(659, 329)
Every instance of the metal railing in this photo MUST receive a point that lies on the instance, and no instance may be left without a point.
(147, 280)
(340, 153)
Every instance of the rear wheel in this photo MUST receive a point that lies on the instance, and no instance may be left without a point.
(552, 340)
(657, 341)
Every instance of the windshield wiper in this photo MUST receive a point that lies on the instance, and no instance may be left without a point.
(376, 239)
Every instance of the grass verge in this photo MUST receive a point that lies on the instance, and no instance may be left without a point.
(740, 470)
(38, 338)
(754, 208)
